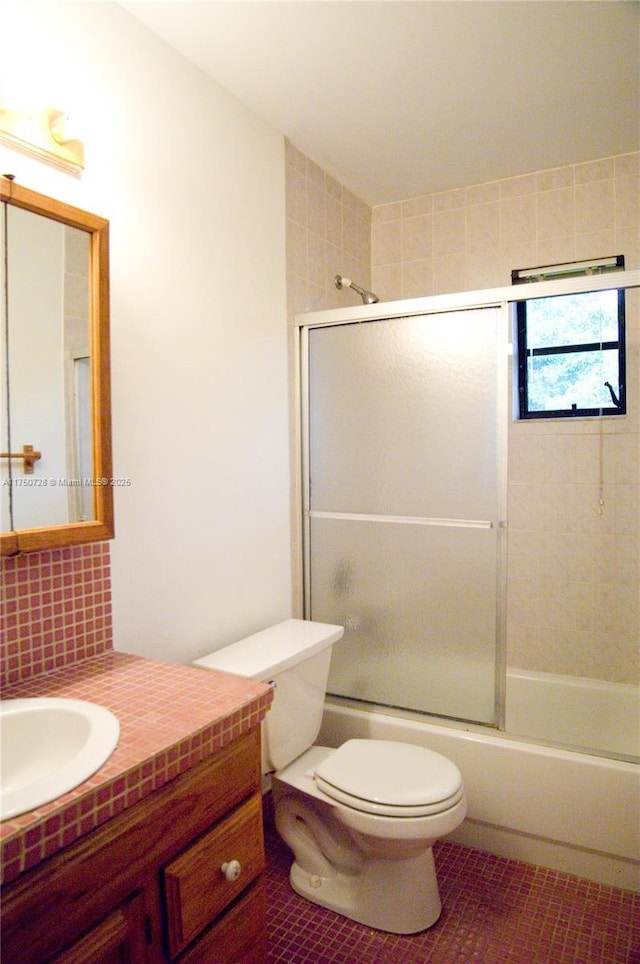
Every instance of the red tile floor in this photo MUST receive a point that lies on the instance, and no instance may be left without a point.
(494, 911)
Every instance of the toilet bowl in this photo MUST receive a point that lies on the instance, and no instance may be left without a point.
(361, 819)
(366, 857)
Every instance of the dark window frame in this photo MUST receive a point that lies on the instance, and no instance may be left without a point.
(524, 352)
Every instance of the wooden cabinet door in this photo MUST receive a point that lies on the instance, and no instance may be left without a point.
(118, 939)
(239, 937)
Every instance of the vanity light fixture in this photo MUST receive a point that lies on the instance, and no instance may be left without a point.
(46, 134)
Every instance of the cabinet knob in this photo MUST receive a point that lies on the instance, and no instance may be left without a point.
(231, 869)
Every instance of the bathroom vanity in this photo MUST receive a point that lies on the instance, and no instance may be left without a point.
(174, 873)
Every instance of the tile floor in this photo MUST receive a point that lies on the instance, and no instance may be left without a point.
(495, 911)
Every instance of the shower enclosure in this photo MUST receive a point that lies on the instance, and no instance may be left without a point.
(407, 415)
(405, 508)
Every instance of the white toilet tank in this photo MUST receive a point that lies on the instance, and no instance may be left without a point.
(295, 657)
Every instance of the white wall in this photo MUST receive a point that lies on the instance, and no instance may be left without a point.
(193, 185)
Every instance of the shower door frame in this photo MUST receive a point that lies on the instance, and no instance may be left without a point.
(504, 299)
(502, 360)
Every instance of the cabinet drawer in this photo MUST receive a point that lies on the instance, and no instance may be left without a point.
(196, 887)
(239, 936)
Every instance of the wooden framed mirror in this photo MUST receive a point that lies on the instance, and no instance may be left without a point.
(56, 466)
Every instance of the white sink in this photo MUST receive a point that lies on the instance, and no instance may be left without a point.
(49, 746)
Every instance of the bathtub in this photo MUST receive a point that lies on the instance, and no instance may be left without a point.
(569, 709)
(574, 812)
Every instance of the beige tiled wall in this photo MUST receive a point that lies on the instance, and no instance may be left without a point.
(573, 569)
(573, 576)
(328, 233)
(473, 237)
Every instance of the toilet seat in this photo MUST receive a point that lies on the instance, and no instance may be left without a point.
(384, 810)
(390, 779)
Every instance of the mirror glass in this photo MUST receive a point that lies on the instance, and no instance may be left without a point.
(55, 435)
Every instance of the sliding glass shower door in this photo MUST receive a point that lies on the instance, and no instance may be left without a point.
(403, 509)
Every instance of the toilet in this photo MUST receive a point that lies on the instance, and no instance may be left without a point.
(361, 820)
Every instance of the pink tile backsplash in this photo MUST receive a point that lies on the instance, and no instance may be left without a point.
(55, 610)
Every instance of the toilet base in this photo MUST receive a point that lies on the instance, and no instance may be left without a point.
(398, 896)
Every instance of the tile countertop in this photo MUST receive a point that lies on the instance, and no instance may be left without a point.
(171, 717)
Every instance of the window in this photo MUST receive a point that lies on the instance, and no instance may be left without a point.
(571, 357)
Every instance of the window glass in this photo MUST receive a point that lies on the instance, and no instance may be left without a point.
(571, 355)
(577, 379)
(571, 319)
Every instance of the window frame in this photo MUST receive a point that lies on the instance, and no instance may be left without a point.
(524, 353)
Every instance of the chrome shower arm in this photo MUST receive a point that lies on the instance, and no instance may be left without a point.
(368, 297)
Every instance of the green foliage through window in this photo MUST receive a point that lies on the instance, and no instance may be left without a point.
(571, 355)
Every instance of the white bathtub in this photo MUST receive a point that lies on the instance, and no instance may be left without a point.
(574, 812)
(569, 709)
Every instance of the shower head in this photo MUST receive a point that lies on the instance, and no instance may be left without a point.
(368, 297)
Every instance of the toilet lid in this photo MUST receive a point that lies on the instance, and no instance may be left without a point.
(382, 776)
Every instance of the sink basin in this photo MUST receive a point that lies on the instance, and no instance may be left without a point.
(49, 746)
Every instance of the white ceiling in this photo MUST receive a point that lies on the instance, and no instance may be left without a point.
(398, 99)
